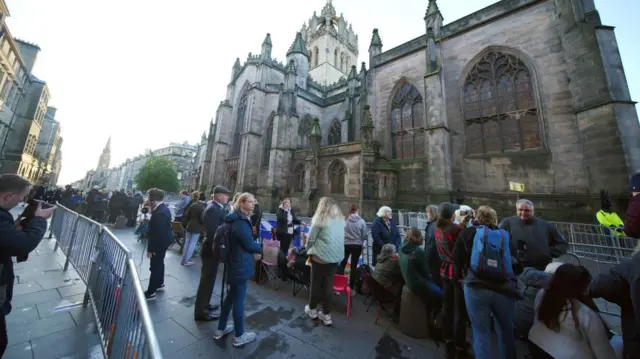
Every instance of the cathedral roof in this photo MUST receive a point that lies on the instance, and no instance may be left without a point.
(298, 46)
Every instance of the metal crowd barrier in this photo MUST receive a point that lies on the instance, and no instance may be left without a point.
(105, 265)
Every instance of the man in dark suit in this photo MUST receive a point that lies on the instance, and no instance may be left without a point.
(213, 217)
(160, 238)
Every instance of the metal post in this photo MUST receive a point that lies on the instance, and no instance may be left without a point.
(71, 241)
(85, 300)
(53, 223)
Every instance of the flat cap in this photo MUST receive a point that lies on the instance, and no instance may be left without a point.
(221, 189)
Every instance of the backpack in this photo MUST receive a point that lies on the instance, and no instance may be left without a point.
(491, 255)
(221, 245)
(359, 284)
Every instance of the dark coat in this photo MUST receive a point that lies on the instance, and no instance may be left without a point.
(530, 282)
(431, 250)
(415, 273)
(256, 218)
(382, 234)
(213, 218)
(160, 233)
(282, 227)
(621, 285)
(194, 218)
(243, 247)
(15, 243)
(632, 224)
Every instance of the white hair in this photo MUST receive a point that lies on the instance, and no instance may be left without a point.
(552, 267)
(384, 211)
(526, 202)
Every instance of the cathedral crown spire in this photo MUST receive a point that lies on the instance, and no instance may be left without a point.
(299, 46)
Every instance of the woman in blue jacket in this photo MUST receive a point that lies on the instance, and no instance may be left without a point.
(383, 231)
(240, 269)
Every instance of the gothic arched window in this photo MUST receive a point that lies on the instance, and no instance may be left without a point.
(299, 177)
(310, 58)
(335, 58)
(268, 137)
(337, 171)
(316, 56)
(304, 130)
(242, 112)
(407, 123)
(499, 108)
(233, 178)
(342, 61)
(335, 133)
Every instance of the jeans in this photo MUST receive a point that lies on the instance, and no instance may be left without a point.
(454, 313)
(321, 290)
(353, 250)
(4, 341)
(190, 243)
(156, 267)
(481, 304)
(234, 300)
(208, 276)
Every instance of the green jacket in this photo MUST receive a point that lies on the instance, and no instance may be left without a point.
(387, 273)
(327, 243)
(414, 268)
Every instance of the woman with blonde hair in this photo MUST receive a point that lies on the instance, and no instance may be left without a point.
(325, 247)
(243, 251)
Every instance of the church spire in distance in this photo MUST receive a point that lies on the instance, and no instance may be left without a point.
(105, 157)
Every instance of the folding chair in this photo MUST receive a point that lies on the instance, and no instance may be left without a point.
(269, 262)
(178, 235)
(380, 295)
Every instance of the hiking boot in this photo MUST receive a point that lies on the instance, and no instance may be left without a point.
(312, 313)
(245, 338)
(325, 318)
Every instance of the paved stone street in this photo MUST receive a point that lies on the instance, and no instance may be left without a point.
(48, 321)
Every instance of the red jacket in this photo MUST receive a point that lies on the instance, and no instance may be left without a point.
(445, 240)
(632, 224)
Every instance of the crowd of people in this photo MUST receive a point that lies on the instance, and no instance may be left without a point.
(469, 268)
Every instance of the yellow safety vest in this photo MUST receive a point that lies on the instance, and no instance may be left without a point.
(610, 220)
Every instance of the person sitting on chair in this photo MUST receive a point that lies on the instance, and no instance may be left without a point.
(387, 271)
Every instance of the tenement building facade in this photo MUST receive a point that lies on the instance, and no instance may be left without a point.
(528, 91)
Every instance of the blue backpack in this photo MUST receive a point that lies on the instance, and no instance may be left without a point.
(221, 245)
(491, 255)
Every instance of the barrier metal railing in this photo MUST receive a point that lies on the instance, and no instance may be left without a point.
(105, 265)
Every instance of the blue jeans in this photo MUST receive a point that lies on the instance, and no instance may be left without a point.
(234, 299)
(481, 304)
(190, 243)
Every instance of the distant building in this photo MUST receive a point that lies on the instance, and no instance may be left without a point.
(48, 148)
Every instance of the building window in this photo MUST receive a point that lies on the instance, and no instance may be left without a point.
(337, 172)
(304, 130)
(299, 176)
(335, 133)
(342, 61)
(499, 108)
(233, 179)
(310, 58)
(335, 58)
(242, 112)
(268, 137)
(407, 123)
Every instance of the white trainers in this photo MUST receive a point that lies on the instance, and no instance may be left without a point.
(245, 338)
(312, 313)
(325, 318)
(218, 334)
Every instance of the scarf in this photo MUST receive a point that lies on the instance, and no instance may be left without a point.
(289, 219)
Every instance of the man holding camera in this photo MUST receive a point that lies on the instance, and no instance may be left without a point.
(14, 241)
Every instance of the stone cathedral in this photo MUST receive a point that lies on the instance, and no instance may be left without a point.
(528, 91)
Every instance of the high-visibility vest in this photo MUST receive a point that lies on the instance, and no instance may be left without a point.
(610, 220)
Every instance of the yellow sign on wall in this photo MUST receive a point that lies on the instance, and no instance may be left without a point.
(516, 186)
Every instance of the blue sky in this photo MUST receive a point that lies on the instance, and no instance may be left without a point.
(150, 72)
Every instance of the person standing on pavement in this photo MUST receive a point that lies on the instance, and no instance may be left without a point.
(541, 240)
(256, 219)
(14, 241)
(160, 238)
(194, 220)
(213, 217)
(243, 251)
(355, 236)
(182, 205)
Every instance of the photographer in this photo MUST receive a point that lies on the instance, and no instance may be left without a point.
(15, 241)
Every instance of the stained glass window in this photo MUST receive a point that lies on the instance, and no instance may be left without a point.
(242, 111)
(337, 172)
(499, 109)
(407, 123)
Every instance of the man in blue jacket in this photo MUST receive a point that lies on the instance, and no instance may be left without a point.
(15, 242)
(213, 217)
(160, 238)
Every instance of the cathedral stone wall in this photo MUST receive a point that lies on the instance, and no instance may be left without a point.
(558, 167)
